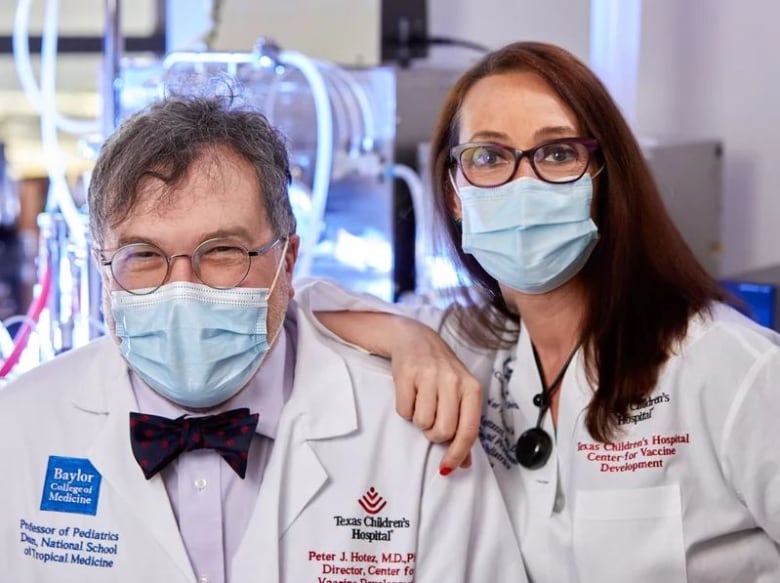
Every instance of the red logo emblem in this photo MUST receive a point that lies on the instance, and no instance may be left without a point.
(372, 502)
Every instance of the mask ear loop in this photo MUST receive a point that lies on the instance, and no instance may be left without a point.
(279, 266)
(272, 287)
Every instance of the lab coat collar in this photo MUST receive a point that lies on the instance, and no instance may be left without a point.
(108, 371)
(111, 452)
(322, 391)
(322, 406)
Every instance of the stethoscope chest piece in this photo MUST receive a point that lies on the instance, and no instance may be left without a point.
(533, 448)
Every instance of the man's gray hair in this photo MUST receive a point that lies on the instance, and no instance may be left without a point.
(166, 138)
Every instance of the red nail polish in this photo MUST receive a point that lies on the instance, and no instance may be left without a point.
(445, 471)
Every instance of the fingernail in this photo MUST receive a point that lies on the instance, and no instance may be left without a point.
(445, 471)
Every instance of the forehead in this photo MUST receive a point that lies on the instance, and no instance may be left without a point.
(518, 107)
(219, 193)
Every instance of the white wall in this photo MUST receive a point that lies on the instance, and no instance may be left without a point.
(709, 68)
(494, 23)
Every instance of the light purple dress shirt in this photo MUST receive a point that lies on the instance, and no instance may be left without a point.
(212, 504)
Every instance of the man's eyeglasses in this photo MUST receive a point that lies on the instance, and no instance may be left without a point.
(558, 161)
(142, 268)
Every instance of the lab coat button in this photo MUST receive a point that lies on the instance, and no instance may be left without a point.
(560, 503)
(201, 484)
(203, 579)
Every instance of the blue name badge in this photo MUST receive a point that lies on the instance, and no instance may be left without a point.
(72, 485)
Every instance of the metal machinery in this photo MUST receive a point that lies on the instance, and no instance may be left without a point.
(340, 129)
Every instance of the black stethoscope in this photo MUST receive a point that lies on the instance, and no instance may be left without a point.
(534, 446)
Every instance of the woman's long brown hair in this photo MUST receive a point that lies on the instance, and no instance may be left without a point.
(642, 282)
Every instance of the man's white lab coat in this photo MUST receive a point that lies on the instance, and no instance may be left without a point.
(351, 493)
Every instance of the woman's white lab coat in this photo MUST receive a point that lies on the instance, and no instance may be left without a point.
(351, 493)
(688, 491)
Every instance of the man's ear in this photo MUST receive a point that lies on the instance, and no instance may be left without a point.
(290, 258)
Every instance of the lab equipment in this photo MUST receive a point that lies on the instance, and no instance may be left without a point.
(340, 126)
(10, 249)
(352, 134)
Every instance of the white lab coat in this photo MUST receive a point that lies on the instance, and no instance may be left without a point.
(339, 444)
(690, 490)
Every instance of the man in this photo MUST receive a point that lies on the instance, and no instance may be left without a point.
(215, 436)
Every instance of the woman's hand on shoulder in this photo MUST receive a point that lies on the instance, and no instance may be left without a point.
(435, 391)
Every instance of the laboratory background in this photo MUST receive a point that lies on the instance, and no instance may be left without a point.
(355, 86)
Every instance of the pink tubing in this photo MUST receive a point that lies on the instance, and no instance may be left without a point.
(33, 315)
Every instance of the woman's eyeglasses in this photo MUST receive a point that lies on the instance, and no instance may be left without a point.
(558, 161)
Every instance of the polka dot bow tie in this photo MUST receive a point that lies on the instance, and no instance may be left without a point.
(157, 441)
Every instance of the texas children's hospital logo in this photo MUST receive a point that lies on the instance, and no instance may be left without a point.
(371, 526)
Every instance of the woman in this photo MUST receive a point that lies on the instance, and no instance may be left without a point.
(629, 414)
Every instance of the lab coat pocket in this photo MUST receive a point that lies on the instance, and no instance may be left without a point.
(629, 535)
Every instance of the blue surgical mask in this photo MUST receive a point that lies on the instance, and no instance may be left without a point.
(530, 235)
(194, 345)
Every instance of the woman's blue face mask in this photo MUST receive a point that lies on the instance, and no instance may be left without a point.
(529, 235)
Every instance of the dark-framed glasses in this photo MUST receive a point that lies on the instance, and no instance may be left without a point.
(221, 263)
(559, 161)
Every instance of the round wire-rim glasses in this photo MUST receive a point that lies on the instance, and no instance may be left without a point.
(488, 164)
(220, 263)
